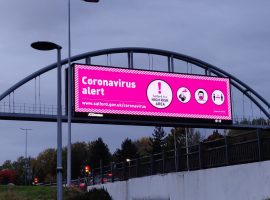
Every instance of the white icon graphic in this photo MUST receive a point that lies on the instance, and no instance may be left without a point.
(183, 95)
(201, 96)
(159, 94)
(218, 97)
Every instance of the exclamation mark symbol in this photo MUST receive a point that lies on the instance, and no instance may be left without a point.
(159, 87)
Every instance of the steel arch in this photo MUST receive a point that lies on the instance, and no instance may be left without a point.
(241, 86)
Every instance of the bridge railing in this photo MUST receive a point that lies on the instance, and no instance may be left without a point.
(230, 150)
(46, 109)
(24, 108)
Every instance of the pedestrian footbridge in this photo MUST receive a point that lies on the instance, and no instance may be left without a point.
(249, 109)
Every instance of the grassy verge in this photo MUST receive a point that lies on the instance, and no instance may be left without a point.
(33, 193)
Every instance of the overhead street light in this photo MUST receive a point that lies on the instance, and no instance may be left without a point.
(69, 95)
(47, 46)
(128, 161)
(91, 1)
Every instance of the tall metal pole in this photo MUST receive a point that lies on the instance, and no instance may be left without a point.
(69, 103)
(59, 128)
(70, 96)
(25, 154)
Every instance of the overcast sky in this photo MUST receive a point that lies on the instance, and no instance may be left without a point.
(233, 35)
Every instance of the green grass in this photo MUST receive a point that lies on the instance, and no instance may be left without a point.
(33, 193)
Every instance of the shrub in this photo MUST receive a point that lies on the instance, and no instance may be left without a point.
(8, 176)
(94, 194)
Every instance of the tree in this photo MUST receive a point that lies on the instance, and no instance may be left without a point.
(23, 167)
(193, 137)
(98, 150)
(64, 161)
(214, 140)
(7, 165)
(143, 146)
(158, 140)
(79, 158)
(214, 136)
(128, 150)
(45, 165)
(19, 167)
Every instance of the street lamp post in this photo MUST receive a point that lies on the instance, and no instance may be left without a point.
(47, 46)
(128, 161)
(69, 96)
(25, 155)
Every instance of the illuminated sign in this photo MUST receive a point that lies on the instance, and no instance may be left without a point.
(106, 92)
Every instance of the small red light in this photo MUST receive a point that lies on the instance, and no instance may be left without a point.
(87, 168)
(35, 180)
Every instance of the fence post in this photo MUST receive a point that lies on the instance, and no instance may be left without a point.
(93, 176)
(137, 167)
(152, 164)
(129, 173)
(163, 162)
(176, 159)
(179, 156)
(227, 161)
(187, 158)
(112, 171)
(125, 170)
(101, 171)
(201, 155)
(259, 133)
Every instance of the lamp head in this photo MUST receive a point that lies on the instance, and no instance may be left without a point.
(91, 1)
(45, 46)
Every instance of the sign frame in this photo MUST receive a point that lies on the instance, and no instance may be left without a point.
(145, 119)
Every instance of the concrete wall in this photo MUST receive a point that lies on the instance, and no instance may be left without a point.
(239, 182)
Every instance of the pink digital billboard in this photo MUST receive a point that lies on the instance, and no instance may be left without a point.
(118, 91)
